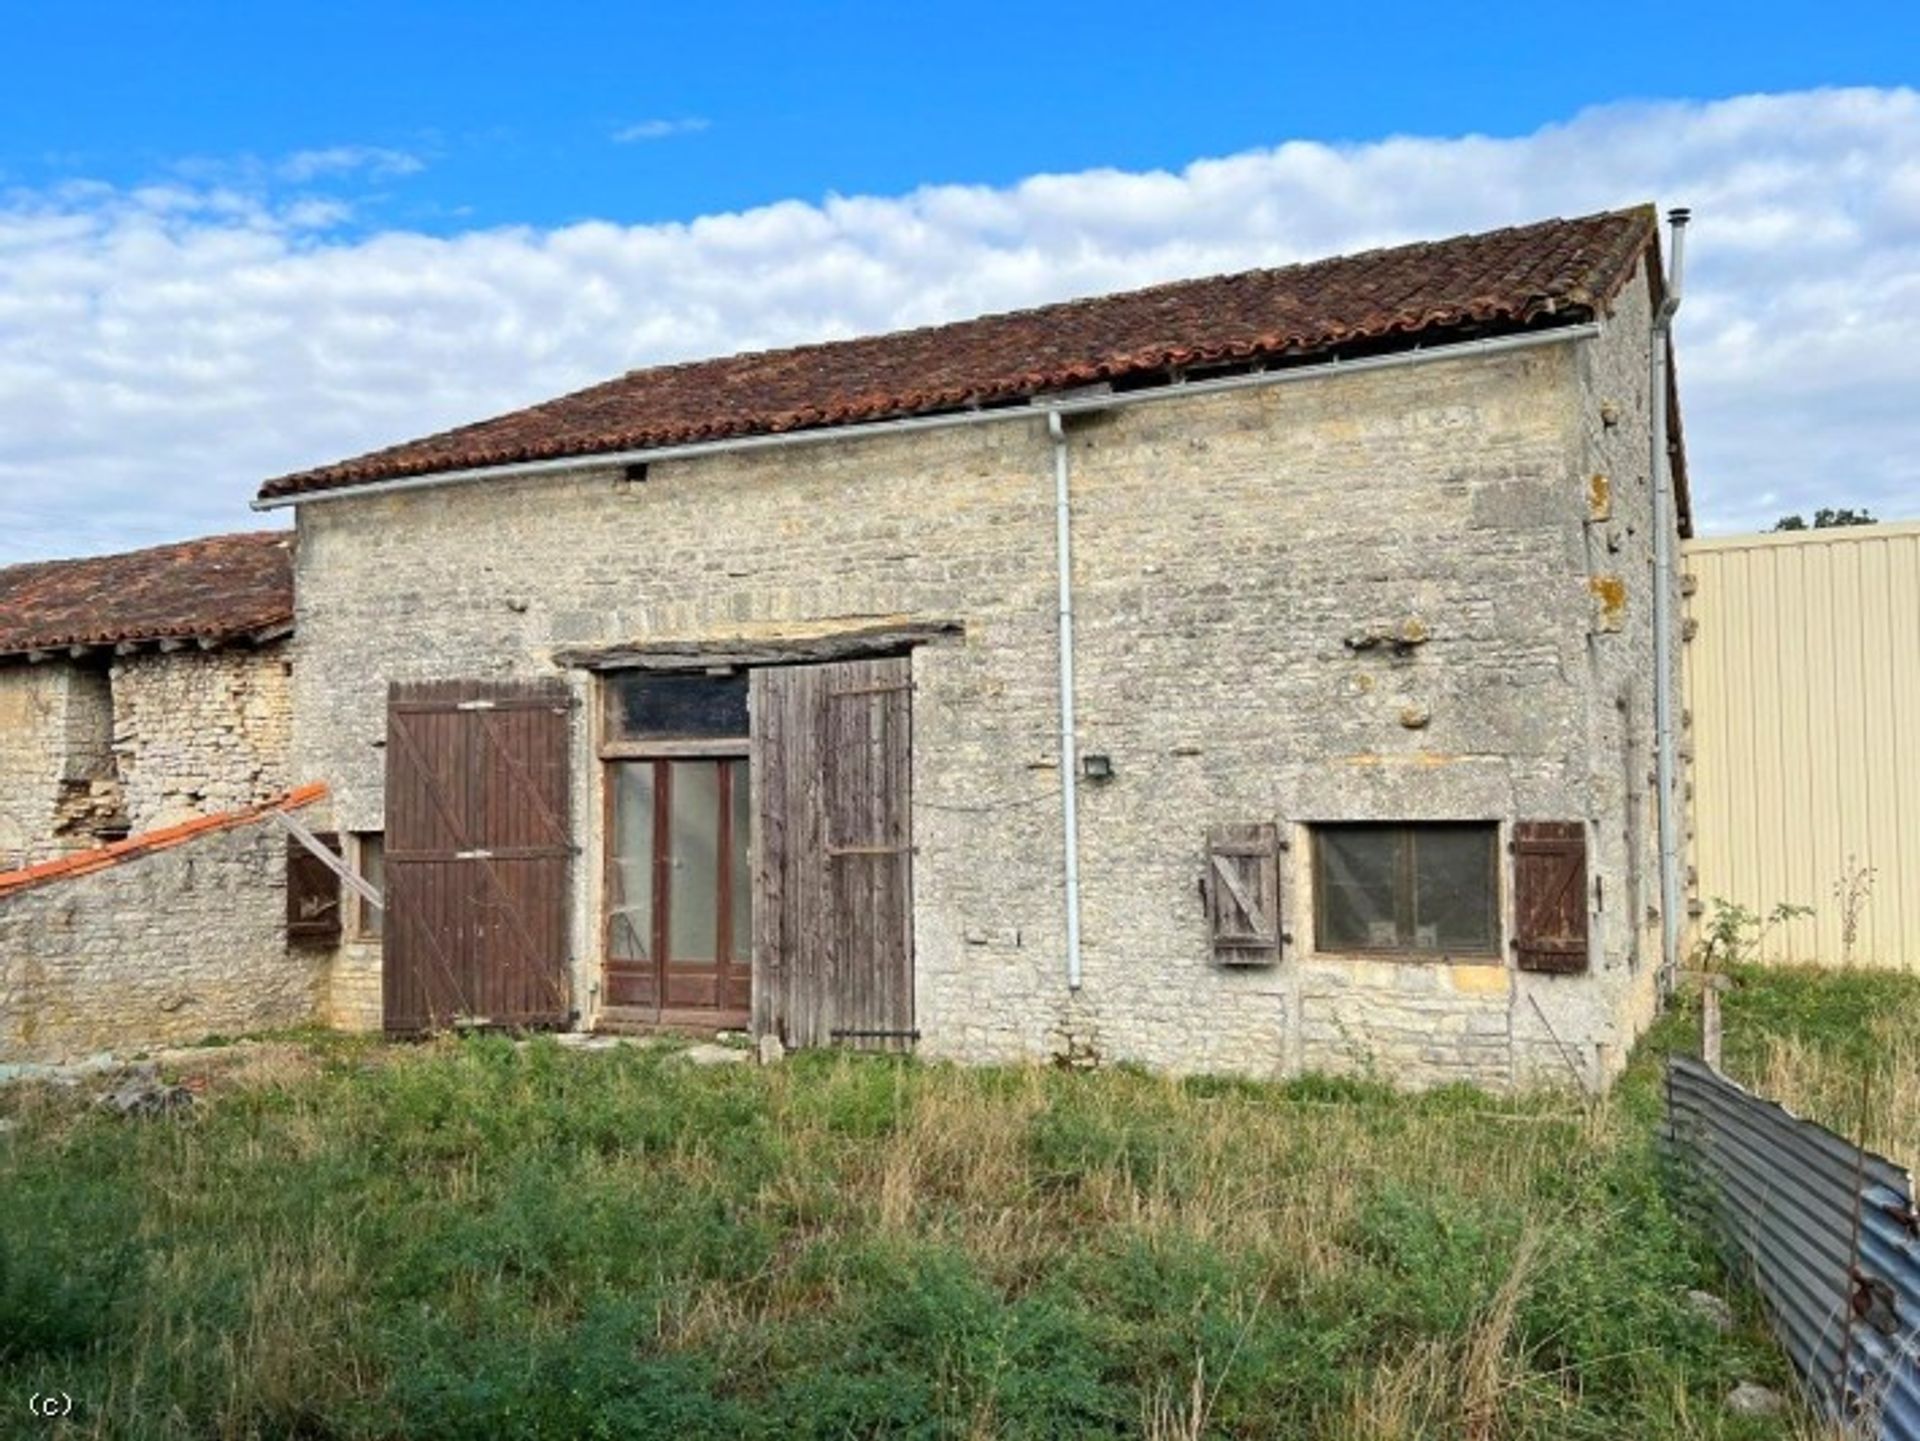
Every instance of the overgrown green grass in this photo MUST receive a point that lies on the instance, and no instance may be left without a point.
(473, 1239)
(1841, 1047)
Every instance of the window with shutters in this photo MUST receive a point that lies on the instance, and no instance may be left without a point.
(1417, 890)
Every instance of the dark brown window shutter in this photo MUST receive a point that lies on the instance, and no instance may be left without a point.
(1242, 888)
(1550, 896)
(313, 895)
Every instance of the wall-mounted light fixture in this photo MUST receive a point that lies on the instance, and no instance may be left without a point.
(1097, 767)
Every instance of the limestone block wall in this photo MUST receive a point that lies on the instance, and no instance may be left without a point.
(353, 987)
(57, 782)
(162, 948)
(199, 732)
(1226, 548)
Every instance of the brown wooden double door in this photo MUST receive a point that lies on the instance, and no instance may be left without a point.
(478, 847)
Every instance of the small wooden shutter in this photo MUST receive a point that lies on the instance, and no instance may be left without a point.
(313, 895)
(1242, 887)
(1550, 896)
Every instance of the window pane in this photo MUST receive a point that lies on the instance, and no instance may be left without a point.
(693, 903)
(642, 705)
(1453, 899)
(1357, 869)
(372, 851)
(630, 884)
(742, 863)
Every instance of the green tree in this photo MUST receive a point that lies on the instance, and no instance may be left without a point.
(1826, 518)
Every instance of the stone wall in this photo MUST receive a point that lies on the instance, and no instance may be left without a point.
(199, 732)
(162, 948)
(353, 987)
(1225, 548)
(57, 783)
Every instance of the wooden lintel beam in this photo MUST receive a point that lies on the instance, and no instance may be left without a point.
(737, 651)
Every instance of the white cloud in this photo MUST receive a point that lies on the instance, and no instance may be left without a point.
(371, 160)
(162, 350)
(660, 129)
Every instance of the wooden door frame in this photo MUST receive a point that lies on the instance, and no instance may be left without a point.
(611, 1016)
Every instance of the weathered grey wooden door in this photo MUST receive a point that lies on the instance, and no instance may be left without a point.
(833, 853)
(477, 854)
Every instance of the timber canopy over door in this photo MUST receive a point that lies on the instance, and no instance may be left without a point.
(833, 870)
(477, 851)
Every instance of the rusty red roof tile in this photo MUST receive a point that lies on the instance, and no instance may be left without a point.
(1555, 271)
(216, 589)
(82, 863)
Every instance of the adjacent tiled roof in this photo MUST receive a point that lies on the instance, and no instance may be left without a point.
(216, 589)
(1555, 271)
(82, 863)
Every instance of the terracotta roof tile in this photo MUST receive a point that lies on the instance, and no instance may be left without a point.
(1556, 271)
(82, 863)
(218, 588)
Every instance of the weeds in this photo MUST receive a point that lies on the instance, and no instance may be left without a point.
(1733, 934)
(475, 1238)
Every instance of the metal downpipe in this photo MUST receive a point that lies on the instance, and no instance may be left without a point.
(1665, 524)
(1069, 745)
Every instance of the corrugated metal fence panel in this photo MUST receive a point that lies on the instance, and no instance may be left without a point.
(1827, 1234)
(1805, 695)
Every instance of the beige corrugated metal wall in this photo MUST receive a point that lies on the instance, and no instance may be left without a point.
(1803, 679)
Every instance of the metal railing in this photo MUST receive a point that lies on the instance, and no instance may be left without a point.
(1826, 1232)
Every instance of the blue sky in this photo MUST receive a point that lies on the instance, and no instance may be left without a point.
(242, 240)
(512, 109)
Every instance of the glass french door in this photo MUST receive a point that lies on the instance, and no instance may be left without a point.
(679, 942)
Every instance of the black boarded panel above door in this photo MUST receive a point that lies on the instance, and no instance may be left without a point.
(833, 863)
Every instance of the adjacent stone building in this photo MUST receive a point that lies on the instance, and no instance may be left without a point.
(1249, 674)
(140, 690)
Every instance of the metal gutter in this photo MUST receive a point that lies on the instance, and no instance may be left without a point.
(1184, 390)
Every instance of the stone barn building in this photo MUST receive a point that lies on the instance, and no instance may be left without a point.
(138, 691)
(1253, 673)
(145, 719)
